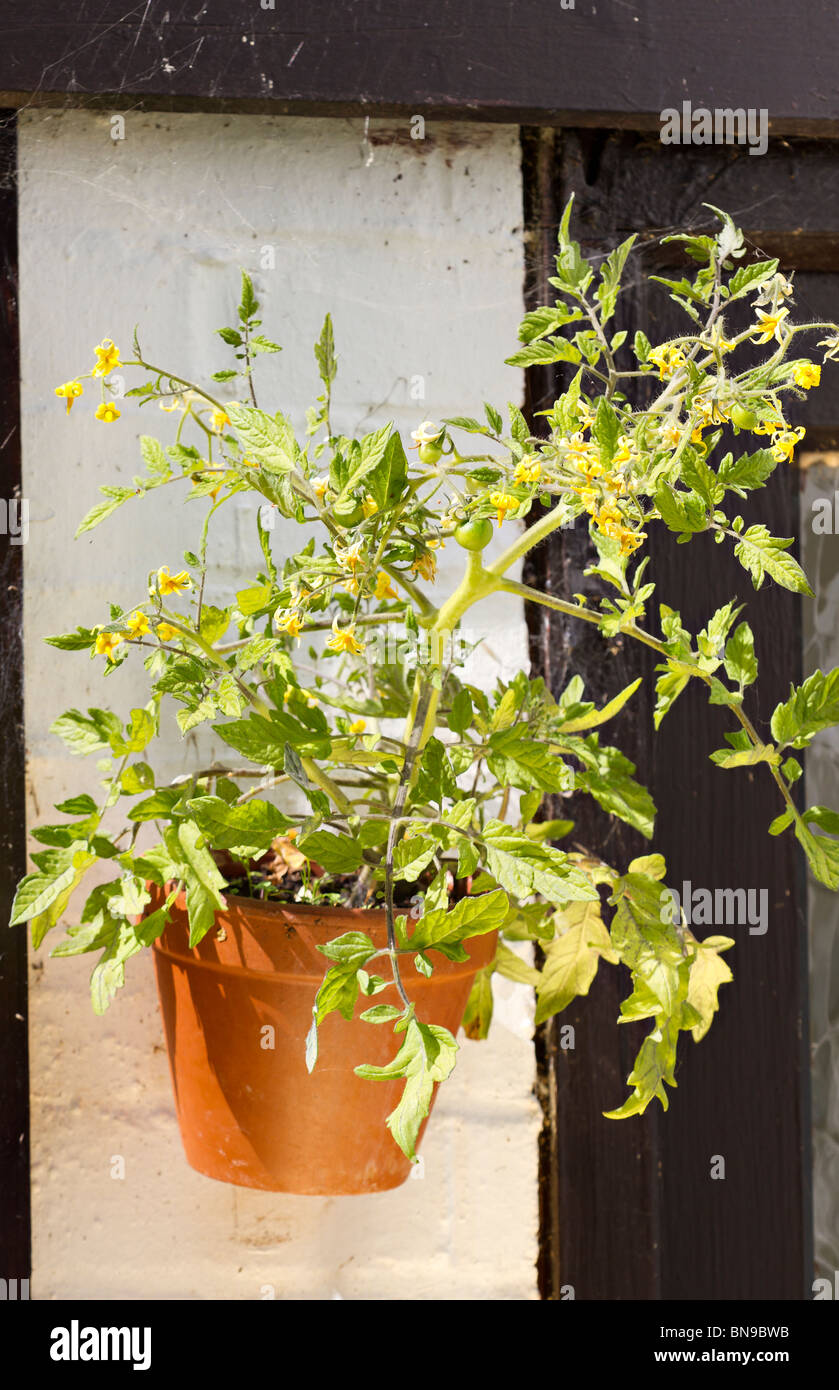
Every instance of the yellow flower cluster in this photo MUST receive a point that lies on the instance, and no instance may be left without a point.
(599, 489)
(107, 360)
(668, 359)
(136, 625)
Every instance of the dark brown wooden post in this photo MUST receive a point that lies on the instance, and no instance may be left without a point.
(636, 1211)
(14, 1070)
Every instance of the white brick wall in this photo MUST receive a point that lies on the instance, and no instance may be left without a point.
(416, 248)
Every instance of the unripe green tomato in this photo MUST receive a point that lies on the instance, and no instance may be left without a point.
(475, 534)
(741, 417)
(430, 453)
(350, 518)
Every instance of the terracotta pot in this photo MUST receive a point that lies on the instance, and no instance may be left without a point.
(236, 1012)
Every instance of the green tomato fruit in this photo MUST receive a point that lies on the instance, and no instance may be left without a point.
(741, 417)
(475, 534)
(430, 453)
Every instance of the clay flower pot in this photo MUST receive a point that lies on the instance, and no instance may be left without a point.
(236, 1011)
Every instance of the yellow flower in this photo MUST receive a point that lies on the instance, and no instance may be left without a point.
(136, 624)
(369, 507)
(784, 442)
(358, 726)
(319, 486)
(528, 470)
(351, 585)
(69, 390)
(578, 444)
(165, 631)
(624, 451)
(292, 623)
(630, 540)
(503, 502)
(831, 346)
(806, 374)
(344, 639)
(696, 434)
(172, 583)
(428, 433)
(384, 588)
(670, 435)
(107, 642)
(770, 325)
(107, 412)
(425, 566)
(220, 418)
(667, 358)
(107, 357)
(769, 426)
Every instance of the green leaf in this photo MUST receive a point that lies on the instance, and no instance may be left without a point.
(707, 973)
(76, 641)
(545, 352)
(608, 777)
(249, 303)
(442, 928)
(606, 429)
(654, 1065)
(372, 452)
(413, 854)
(381, 1013)
(42, 897)
(762, 554)
(85, 734)
(509, 964)
(350, 951)
(748, 277)
(740, 659)
(247, 830)
(266, 439)
(203, 882)
(427, 1056)
(477, 1016)
(749, 472)
(684, 512)
(822, 855)
(140, 732)
(812, 706)
(265, 741)
(109, 972)
(83, 805)
(595, 717)
(571, 960)
(540, 322)
(524, 867)
(115, 498)
(325, 354)
(387, 479)
(337, 854)
(518, 761)
(461, 713)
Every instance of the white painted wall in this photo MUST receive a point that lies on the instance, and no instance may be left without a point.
(416, 249)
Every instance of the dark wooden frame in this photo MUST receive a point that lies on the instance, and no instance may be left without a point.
(610, 1192)
(14, 1053)
(603, 62)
